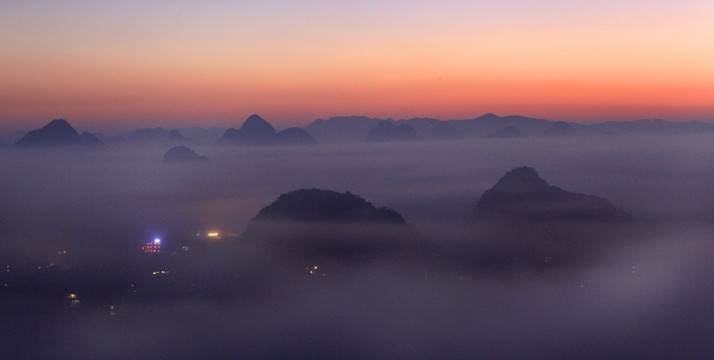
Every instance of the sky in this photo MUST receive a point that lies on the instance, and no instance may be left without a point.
(135, 64)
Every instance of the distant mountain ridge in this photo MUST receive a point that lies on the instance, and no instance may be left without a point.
(490, 123)
(357, 128)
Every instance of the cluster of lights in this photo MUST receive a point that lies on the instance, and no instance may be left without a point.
(152, 247)
(73, 299)
(313, 270)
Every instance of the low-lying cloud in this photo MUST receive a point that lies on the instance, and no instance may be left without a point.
(645, 296)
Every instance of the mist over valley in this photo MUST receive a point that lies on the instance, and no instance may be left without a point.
(388, 259)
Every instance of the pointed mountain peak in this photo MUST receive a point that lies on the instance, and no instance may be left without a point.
(255, 125)
(60, 128)
(58, 124)
(522, 179)
(56, 132)
(523, 196)
(254, 117)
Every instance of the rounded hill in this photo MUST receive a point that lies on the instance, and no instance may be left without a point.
(317, 205)
(182, 154)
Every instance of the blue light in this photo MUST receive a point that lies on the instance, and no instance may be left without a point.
(157, 241)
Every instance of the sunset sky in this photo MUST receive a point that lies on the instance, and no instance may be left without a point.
(125, 64)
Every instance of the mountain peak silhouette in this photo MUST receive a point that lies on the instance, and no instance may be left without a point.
(317, 205)
(182, 154)
(57, 132)
(256, 126)
(59, 125)
(523, 179)
(327, 226)
(254, 131)
(522, 196)
(60, 129)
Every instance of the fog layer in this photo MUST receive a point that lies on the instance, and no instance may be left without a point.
(642, 294)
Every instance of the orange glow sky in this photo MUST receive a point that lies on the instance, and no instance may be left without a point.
(177, 63)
